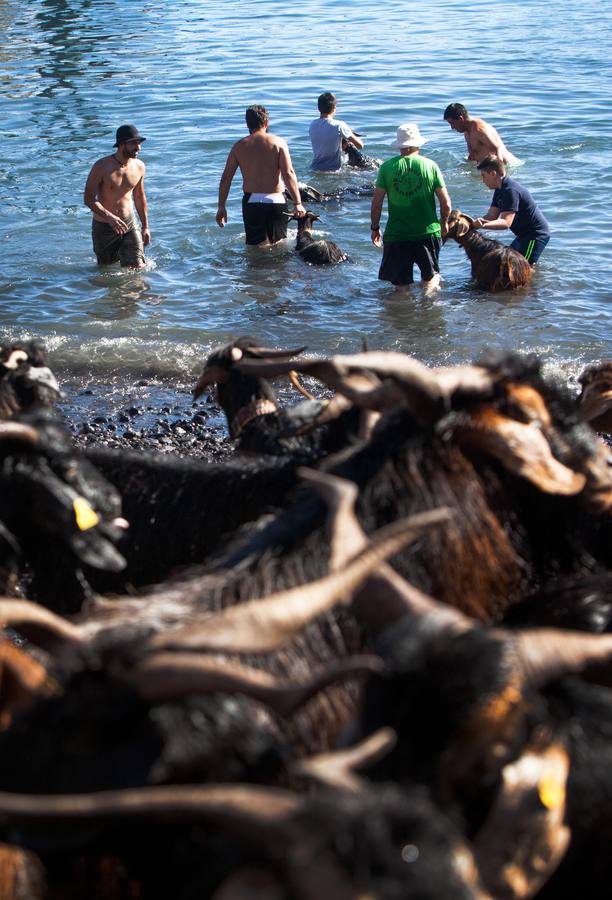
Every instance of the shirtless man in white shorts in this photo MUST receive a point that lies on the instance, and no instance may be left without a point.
(265, 164)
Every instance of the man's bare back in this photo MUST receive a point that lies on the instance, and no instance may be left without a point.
(267, 172)
(260, 157)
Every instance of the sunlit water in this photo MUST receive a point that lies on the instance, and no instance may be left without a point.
(72, 70)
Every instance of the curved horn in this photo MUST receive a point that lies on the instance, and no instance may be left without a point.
(16, 357)
(293, 378)
(521, 448)
(16, 431)
(336, 769)
(165, 676)
(545, 654)
(247, 805)
(39, 625)
(473, 380)
(262, 625)
(386, 596)
(269, 353)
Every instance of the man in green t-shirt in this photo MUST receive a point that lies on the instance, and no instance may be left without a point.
(413, 233)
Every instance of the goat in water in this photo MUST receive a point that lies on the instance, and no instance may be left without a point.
(318, 252)
(495, 267)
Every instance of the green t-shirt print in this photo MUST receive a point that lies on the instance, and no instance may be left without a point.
(411, 183)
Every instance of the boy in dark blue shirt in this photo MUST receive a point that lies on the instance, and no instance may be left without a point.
(513, 207)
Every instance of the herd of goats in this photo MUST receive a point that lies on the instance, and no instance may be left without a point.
(369, 657)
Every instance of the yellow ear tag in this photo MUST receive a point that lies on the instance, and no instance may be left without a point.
(551, 792)
(84, 514)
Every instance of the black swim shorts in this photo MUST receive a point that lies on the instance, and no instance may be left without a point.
(399, 259)
(531, 248)
(264, 221)
(110, 246)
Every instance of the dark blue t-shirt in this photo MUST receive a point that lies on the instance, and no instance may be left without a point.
(528, 220)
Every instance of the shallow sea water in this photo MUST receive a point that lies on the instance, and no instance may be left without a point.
(72, 70)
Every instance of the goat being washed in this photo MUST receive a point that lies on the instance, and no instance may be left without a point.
(318, 252)
(495, 266)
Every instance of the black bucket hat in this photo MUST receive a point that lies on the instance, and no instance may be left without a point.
(127, 133)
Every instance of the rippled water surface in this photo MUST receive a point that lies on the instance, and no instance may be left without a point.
(72, 70)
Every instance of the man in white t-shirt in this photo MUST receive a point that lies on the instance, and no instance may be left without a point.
(326, 134)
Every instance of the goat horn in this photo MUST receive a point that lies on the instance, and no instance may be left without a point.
(419, 385)
(15, 358)
(545, 654)
(521, 448)
(269, 353)
(248, 805)
(262, 625)
(469, 379)
(166, 676)
(386, 596)
(39, 625)
(336, 769)
(17, 431)
(295, 381)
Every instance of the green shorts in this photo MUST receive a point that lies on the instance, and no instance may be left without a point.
(110, 246)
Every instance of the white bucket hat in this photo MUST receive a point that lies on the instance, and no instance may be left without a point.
(408, 135)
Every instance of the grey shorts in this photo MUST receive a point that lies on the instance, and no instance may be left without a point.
(110, 246)
(399, 258)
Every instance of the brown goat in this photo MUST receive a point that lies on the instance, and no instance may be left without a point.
(495, 266)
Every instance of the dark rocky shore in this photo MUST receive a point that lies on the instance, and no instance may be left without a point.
(145, 415)
(152, 415)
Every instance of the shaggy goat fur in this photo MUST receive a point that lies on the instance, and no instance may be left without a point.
(495, 267)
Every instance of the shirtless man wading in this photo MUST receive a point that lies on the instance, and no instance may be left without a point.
(265, 164)
(114, 187)
(482, 139)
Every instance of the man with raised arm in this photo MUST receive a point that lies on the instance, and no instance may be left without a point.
(115, 186)
(266, 168)
(328, 134)
(482, 139)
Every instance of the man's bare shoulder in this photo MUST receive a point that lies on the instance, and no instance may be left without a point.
(276, 141)
(483, 127)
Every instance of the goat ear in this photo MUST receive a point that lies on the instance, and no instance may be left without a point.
(468, 219)
(462, 227)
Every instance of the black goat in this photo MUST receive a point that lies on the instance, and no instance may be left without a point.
(495, 442)
(317, 252)
(181, 511)
(357, 159)
(25, 379)
(595, 399)
(495, 266)
(242, 841)
(58, 514)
